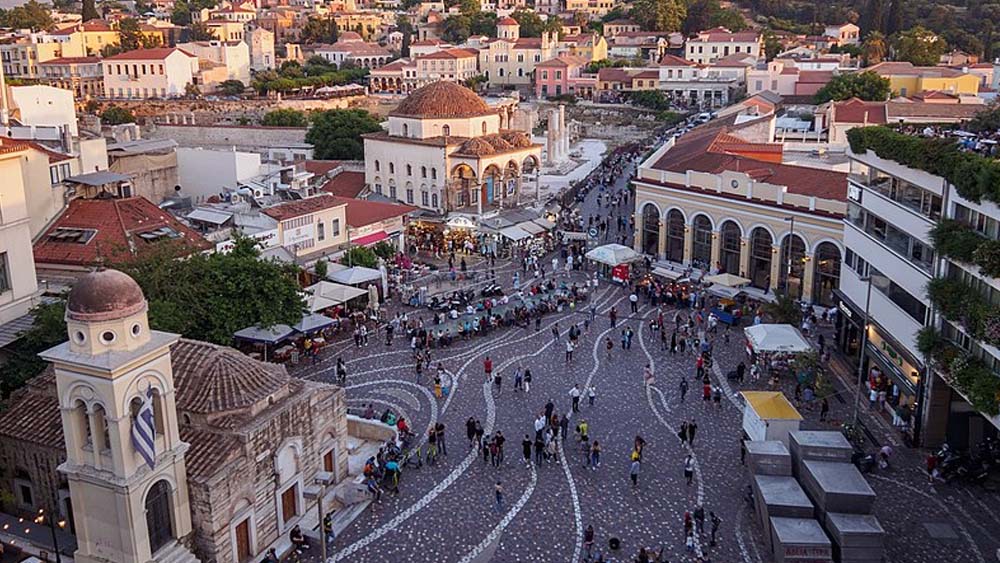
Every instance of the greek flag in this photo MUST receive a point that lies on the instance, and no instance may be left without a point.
(144, 431)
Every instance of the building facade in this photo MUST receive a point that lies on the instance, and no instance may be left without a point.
(149, 73)
(18, 286)
(709, 46)
(509, 60)
(313, 226)
(81, 75)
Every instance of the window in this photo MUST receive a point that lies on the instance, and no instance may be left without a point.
(406, 133)
(409, 195)
(409, 170)
(392, 168)
(446, 130)
(545, 75)
(892, 237)
(392, 191)
(434, 201)
(423, 171)
(320, 231)
(335, 224)
(378, 166)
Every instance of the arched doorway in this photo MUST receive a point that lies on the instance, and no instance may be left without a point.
(827, 278)
(793, 254)
(760, 258)
(729, 253)
(159, 523)
(462, 189)
(650, 229)
(675, 236)
(701, 242)
(492, 181)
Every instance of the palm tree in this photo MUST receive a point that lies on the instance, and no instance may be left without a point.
(874, 47)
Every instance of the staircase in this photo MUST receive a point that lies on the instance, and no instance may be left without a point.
(175, 552)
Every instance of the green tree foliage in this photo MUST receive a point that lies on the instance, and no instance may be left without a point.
(867, 85)
(90, 10)
(210, 296)
(360, 256)
(784, 310)
(199, 31)
(772, 45)
(231, 87)
(321, 268)
(650, 99)
(986, 120)
(116, 115)
(532, 25)
(22, 361)
(404, 26)
(181, 15)
(706, 14)
(130, 38)
(336, 134)
(318, 66)
(874, 48)
(659, 15)
(456, 29)
(385, 250)
(483, 23)
(32, 15)
(293, 76)
(319, 30)
(285, 118)
(919, 46)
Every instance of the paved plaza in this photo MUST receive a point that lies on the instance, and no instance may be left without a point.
(446, 512)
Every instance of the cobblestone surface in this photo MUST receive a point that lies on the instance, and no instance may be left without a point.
(446, 512)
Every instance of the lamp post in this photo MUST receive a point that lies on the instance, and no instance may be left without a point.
(861, 350)
(52, 523)
(788, 270)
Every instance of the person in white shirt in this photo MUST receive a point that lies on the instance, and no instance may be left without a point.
(574, 394)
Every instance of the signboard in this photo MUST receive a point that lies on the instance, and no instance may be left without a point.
(265, 239)
(298, 235)
(620, 273)
(592, 232)
(853, 192)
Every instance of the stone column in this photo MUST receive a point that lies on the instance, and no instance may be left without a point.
(716, 249)
(808, 276)
(688, 243)
(550, 132)
(637, 241)
(776, 266)
(661, 241)
(479, 199)
(563, 133)
(745, 257)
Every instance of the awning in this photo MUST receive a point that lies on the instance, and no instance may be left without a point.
(100, 178)
(209, 216)
(728, 280)
(531, 228)
(776, 338)
(271, 335)
(613, 254)
(326, 294)
(356, 275)
(724, 291)
(544, 223)
(371, 238)
(669, 274)
(771, 405)
(515, 233)
(312, 322)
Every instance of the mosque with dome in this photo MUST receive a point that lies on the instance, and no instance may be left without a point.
(239, 452)
(448, 151)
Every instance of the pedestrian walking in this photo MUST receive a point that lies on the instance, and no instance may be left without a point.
(569, 351)
(824, 409)
(526, 449)
(684, 387)
(609, 346)
(498, 496)
(633, 473)
(574, 394)
(633, 301)
(689, 469)
(699, 520)
(439, 433)
(488, 368)
(595, 455)
(555, 331)
(692, 428)
(498, 381)
(591, 395)
(683, 432)
(527, 380)
(470, 431)
(715, 521)
(518, 379)
(613, 317)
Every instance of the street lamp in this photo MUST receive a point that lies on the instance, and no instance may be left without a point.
(788, 270)
(861, 350)
(52, 523)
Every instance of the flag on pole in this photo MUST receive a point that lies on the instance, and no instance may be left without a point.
(144, 430)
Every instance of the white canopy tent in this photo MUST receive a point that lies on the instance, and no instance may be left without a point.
(776, 338)
(515, 233)
(326, 294)
(668, 274)
(312, 322)
(356, 275)
(613, 255)
(728, 280)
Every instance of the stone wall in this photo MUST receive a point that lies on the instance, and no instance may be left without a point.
(243, 137)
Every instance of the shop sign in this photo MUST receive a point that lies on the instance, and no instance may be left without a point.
(846, 310)
(298, 235)
(853, 193)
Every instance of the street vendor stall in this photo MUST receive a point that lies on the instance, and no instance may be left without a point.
(356, 275)
(780, 338)
(268, 339)
(616, 259)
(323, 295)
(769, 416)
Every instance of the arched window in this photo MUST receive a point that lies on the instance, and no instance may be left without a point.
(446, 130)
(729, 251)
(101, 432)
(423, 171)
(675, 236)
(434, 200)
(701, 242)
(650, 229)
(159, 523)
(406, 130)
(409, 170)
(434, 174)
(378, 166)
(484, 127)
(83, 423)
(793, 256)
(392, 168)
(760, 258)
(827, 278)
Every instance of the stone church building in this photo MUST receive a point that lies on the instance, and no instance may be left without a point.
(242, 450)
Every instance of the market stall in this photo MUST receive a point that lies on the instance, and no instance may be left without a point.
(324, 295)
(769, 416)
(356, 275)
(616, 260)
(774, 348)
(271, 341)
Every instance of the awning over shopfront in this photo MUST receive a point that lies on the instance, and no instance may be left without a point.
(776, 338)
(515, 233)
(371, 238)
(544, 223)
(728, 280)
(724, 291)
(531, 228)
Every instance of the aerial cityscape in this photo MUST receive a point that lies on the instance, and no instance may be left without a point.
(497, 281)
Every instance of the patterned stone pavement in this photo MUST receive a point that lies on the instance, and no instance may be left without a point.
(445, 513)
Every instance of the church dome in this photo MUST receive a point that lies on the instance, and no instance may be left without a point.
(105, 295)
(212, 379)
(442, 100)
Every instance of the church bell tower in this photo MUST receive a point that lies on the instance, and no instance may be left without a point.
(125, 458)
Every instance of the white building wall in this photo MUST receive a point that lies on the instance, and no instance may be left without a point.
(19, 288)
(204, 172)
(45, 105)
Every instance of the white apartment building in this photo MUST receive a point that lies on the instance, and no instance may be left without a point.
(701, 85)
(149, 73)
(22, 56)
(713, 44)
(890, 259)
(18, 285)
(234, 55)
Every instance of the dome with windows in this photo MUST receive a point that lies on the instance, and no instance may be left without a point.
(104, 295)
(443, 99)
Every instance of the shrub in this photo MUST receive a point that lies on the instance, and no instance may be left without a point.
(955, 239)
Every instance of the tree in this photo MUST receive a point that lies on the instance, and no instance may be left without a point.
(385, 250)
(483, 23)
(199, 31)
(659, 15)
(209, 297)
(867, 86)
(336, 134)
(456, 29)
(231, 87)
(650, 99)
(987, 120)
(285, 118)
(117, 115)
(772, 45)
(319, 30)
(181, 14)
(321, 269)
(784, 310)
(360, 256)
(874, 48)
(404, 26)
(318, 66)
(468, 7)
(531, 24)
(191, 90)
(90, 10)
(32, 15)
(22, 361)
(130, 38)
(919, 45)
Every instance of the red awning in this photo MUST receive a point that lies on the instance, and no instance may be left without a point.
(371, 239)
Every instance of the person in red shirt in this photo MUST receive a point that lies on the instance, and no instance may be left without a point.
(488, 368)
(706, 392)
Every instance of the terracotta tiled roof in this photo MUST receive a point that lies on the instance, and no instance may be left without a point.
(908, 69)
(320, 167)
(361, 212)
(528, 43)
(428, 43)
(703, 150)
(301, 207)
(118, 224)
(345, 184)
(71, 61)
(507, 21)
(449, 54)
(53, 155)
(442, 99)
(32, 413)
(213, 379)
(859, 111)
(815, 76)
(563, 61)
(674, 60)
(612, 74)
(902, 110)
(156, 54)
(209, 451)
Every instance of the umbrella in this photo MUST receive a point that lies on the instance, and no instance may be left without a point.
(613, 254)
(356, 275)
(728, 280)
(326, 294)
(776, 338)
(270, 335)
(312, 322)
